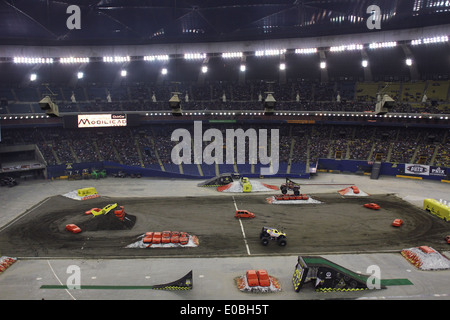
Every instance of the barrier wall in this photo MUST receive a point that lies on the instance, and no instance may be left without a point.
(413, 171)
(190, 171)
(297, 170)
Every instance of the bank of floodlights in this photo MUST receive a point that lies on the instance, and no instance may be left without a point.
(159, 57)
(73, 60)
(32, 60)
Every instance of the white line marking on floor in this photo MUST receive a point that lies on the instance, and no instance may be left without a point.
(235, 205)
(242, 228)
(59, 280)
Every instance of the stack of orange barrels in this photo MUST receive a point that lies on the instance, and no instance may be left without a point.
(120, 213)
(257, 278)
(6, 262)
(412, 257)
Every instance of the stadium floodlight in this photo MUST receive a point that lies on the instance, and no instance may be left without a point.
(408, 62)
(33, 77)
(159, 57)
(364, 63)
(437, 39)
(204, 69)
(70, 60)
(117, 59)
(123, 73)
(242, 67)
(388, 44)
(80, 75)
(232, 54)
(306, 51)
(164, 71)
(350, 47)
(282, 66)
(270, 52)
(31, 60)
(323, 65)
(194, 56)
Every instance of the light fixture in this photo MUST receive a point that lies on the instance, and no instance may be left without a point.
(123, 73)
(282, 66)
(242, 67)
(408, 62)
(33, 77)
(204, 69)
(232, 54)
(164, 71)
(306, 51)
(30, 60)
(350, 47)
(159, 57)
(116, 59)
(80, 75)
(364, 63)
(388, 44)
(270, 52)
(194, 56)
(323, 65)
(73, 60)
(437, 39)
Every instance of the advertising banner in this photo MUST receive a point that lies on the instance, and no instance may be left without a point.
(417, 169)
(101, 120)
(438, 171)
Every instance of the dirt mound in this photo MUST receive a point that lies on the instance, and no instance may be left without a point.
(107, 222)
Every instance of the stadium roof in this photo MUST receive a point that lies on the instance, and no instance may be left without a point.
(119, 22)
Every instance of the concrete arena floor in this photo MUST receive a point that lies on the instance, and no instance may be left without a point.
(222, 255)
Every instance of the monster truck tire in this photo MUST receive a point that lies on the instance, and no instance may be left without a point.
(282, 241)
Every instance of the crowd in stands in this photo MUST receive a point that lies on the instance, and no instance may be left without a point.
(411, 97)
(152, 145)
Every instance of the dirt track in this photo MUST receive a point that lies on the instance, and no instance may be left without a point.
(337, 225)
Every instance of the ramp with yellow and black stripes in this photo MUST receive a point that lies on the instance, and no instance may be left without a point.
(184, 283)
(328, 276)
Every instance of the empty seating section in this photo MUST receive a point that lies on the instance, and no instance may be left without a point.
(413, 91)
(438, 90)
(367, 91)
(293, 95)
